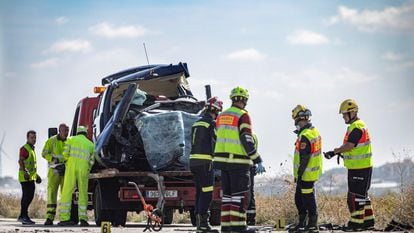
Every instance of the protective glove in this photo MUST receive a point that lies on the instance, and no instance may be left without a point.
(38, 179)
(26, 175)
(329, 154)
(260, 169)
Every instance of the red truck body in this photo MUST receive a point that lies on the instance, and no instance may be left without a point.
(111, 197)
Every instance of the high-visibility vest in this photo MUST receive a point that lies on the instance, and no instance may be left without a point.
(314, 168)
(361, 155)
(53, 149)
(229, 148)
(29, 164)
(80, 149)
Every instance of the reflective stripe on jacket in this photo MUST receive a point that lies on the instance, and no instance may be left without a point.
(361, 155)
(53, 149)
(203, 141)
(29, 164)
(314, 167)
(81, 149)
(229, 149)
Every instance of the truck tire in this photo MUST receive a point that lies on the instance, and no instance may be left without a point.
(193, 218)
(168, 215)
(119, 217)
(215, 217)
(101, 215)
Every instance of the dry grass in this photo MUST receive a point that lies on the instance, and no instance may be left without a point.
(333, 209)
(10, 206)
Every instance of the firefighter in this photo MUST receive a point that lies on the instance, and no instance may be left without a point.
(307, 168)
(78, 154)
(53, 153)
(357, 155)
(201, 157)
(234, 154)
(254, 170)
(27, 176)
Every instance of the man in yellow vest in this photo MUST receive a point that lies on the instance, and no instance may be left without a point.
(357, 155)
(27, 176)
(234, 154)
(53, 153)
(307, 168)
(79, 156)
(201, 157)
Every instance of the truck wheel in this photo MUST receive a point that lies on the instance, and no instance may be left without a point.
(119, 217)
(215, 217)
(74, 213)
(168, 215)
(193, 217)
(100, 214)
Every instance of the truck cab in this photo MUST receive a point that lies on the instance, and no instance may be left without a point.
(140, 122)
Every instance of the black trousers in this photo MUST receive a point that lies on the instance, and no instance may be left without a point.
(359, 203)
(204, 182)
(251, 209)
(305, 200)
(235, 185)
(28, 190)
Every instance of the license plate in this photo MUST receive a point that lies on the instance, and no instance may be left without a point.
(156, 194)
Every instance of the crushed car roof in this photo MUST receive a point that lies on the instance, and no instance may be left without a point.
(147, 72)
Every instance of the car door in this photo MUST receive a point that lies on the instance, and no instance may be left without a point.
(117, 118)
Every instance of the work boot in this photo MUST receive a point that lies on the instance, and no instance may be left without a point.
(313, 224)
(83, 223)
(251, 219)
(48, 222)
(301, 227)
(66, 223)
(351, 226)
(25, 220)
(197, 221)
(204, 226)
(369, 224)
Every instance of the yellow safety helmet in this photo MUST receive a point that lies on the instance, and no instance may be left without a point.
(81, 129)
(348, 105)
(239, 92)
(300, 112)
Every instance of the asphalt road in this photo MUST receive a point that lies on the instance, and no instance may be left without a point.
(8, 225)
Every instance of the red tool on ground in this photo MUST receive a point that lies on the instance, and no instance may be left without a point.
(154, 216)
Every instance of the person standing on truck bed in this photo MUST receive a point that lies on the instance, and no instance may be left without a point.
(201, 157)
(53, 153)
(28, 176)
(357, 155)
(79, 158)
(234, 154)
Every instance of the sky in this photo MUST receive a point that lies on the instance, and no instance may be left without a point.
(315, 53)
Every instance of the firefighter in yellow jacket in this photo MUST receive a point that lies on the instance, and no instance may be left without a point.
(78, 153)
(53, 153)
(307, 168)
(234, 154)
(357, 155)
